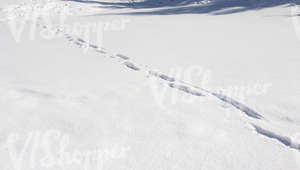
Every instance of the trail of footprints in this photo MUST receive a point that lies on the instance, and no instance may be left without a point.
(186, 88)
(172, 82)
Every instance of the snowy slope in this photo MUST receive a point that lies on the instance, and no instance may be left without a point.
(189, 91)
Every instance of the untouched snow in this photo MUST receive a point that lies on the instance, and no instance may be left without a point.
(153, 90)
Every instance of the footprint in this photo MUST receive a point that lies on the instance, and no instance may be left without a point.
(285, 140)
(101, 51)
(93, 46)
(185, 89)
(81, 40)
(35, 93)
(248, 111)
(162, 76)
(122, 57)
(132, 66)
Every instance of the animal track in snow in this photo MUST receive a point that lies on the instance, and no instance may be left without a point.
(131, 66)
(36, 93)
(162, 76)
(185, 89)
(175, 84)
(122, 57)
(248, 111)
(287, 141)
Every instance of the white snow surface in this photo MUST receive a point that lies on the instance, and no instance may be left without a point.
(148, 95)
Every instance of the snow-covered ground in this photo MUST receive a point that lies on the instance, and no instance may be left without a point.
(182, 84)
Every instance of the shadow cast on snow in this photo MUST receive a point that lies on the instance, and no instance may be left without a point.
(169, 7)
